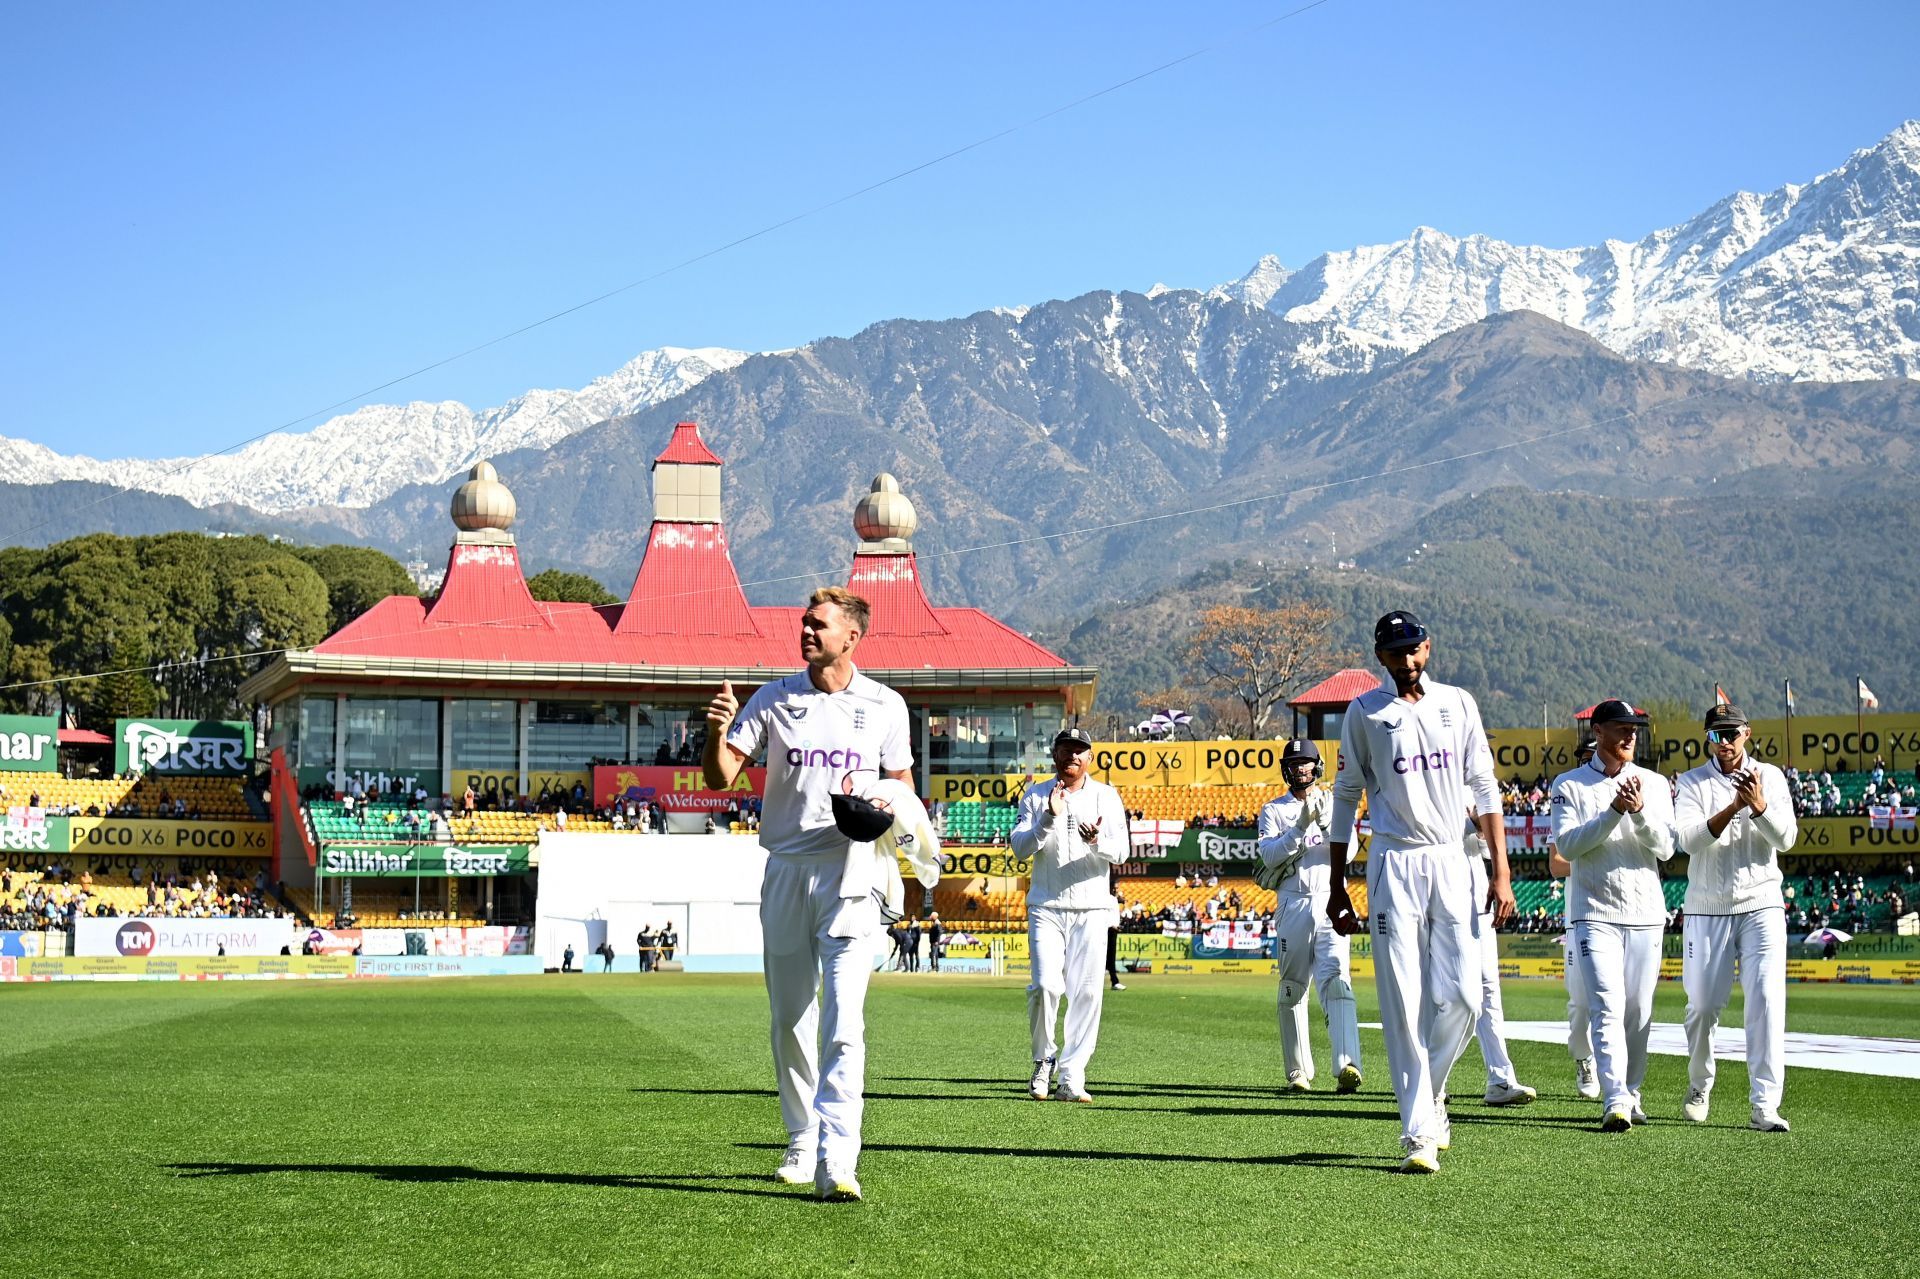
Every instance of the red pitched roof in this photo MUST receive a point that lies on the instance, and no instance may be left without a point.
(664, 629)
(891, 583)
(687, 446)
(686, 609)
(1337, 689)
(485, 584)
(686, 586)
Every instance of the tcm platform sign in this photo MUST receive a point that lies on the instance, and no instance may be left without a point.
(169, 938)
(183, 747)
(676, 789)
(29, 743)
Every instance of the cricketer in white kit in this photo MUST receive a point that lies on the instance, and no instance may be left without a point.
(1410, 747)
(820, 903)
(1490, 1026)
(1074, 829)
(1613, 824)
(1293, 855)
(1734, 815)
(1586, 1077)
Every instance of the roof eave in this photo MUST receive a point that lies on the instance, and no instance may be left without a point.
(291, 668)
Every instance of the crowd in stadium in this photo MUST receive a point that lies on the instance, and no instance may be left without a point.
(1842, 794)
(53, 897)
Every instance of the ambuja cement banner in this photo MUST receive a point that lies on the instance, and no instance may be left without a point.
(29, 743)
(184, 747)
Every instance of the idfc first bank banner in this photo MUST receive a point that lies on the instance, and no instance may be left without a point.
(677, 790)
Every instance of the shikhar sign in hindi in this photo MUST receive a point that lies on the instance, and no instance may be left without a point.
(29, 743)
(183, 747)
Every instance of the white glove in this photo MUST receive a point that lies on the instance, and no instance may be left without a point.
(1315, 809)
(1271, 877)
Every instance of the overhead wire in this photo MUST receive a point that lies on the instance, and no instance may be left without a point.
(1089, 530)
(358, 397)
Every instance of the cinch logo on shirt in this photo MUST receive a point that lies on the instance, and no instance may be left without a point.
(1431, 762)
(848, 759)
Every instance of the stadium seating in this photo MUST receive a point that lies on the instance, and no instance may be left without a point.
(1240, 805)
(975, 822)
(383, 823)
(214, 798)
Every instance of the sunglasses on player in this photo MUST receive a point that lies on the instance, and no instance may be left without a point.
(1723, 736)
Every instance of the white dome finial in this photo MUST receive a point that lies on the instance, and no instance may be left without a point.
(884, 518)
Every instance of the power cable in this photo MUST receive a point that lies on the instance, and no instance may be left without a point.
(1083, 531)
(15, 535)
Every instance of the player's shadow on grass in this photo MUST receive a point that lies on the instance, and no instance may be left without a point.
(1016, 1094)
(1310, 1159)
(448, 1174)
(1110, 1088)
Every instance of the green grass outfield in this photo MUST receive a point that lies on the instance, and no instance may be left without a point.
(626, 1125)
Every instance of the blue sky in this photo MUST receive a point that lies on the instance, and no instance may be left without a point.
(219, 217)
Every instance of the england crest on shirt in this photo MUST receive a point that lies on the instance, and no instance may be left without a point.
(859, 718)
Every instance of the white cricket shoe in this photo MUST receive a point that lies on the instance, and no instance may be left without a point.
(1119, 985)
(796, 1167)
(1065, 1089)
(1513, 1094)
(1694, 1111)
(1617, 1120)
(1349, 1079)
(1586, 1079)
(836, 1184)
(1297, 1081)
(1638, 1116)
(1421, 1156)
(1042, 1077)
(1768, 1121)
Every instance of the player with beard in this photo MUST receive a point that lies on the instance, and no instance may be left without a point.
(1411, 746)
(1074, 829)
(1613, 824)
(1735, 815)
(1293, 853)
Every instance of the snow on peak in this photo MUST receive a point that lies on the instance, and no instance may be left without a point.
(361, 457)
(1803, 282)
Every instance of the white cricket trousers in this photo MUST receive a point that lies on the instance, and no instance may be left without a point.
(1426, 964)
(1308, 951)
(1491, 1028)
(1068, 952)
(1620, 968)
(1579, 1012)
(819, 951)
(1758, 941)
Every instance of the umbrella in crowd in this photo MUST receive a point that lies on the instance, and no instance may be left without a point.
(1821, 936)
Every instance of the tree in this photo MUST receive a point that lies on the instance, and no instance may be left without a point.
(357, 578)
(128, 691)
(556, 585)
(1258, 656)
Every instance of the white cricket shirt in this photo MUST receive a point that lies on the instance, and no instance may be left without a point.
(1413, 761)
(1615, 856)
(1737, 872)
(813, 741)
(1281, 840)
(1068, 872)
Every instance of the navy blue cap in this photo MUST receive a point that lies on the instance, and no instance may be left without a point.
(1615, 711)
(1398, 629)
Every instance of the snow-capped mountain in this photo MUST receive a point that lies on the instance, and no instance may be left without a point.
(1818, 282)
(361, 457)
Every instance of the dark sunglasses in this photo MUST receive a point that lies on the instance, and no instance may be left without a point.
(1723, 736)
